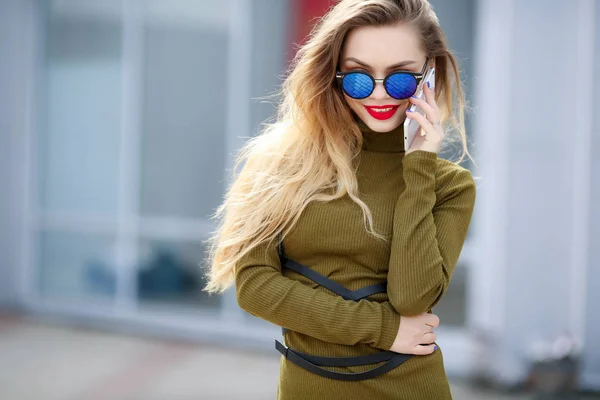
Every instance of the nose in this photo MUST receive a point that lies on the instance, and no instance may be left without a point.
(379, 91)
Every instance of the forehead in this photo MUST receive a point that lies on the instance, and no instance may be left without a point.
(380, 46)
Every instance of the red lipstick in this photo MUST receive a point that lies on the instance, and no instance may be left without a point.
(375, 112)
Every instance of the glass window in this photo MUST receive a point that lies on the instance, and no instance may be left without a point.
(169, 272)
(183, 119)
(78, 144)
(75, 265)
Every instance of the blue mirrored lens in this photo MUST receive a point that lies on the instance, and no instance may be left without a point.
(357, 85)
(401, 86)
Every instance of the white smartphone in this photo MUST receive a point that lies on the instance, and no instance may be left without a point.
(411, 127)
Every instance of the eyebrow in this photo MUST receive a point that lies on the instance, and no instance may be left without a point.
(395, 66)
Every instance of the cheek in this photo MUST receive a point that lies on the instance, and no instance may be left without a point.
(355, 105)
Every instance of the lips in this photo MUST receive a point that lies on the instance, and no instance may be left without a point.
(378, 112)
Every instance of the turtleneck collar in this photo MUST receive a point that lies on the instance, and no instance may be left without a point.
(382, 142)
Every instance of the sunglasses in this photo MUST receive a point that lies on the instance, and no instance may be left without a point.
(400, 84)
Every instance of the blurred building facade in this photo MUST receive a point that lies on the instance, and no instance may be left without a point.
(119, 120)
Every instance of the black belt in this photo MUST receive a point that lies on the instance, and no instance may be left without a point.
(313, 363)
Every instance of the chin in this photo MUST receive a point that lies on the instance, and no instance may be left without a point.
(382, 126)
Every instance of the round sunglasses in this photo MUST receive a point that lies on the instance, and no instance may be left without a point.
(400, 84)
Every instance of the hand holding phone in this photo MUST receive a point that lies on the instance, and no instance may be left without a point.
(411, 127)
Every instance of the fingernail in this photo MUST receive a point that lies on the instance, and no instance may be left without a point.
(414, 97)
(428, 85)
(435, 348)
(408, 110)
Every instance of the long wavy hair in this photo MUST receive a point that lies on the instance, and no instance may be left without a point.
(310, 152)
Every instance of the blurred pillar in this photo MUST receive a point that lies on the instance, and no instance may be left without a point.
(16, 120)
(535, 113)
(591, 280)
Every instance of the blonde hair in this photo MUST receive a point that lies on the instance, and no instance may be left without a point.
(309, 153)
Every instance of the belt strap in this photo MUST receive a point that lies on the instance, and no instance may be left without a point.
(333, 285)
(314, 363)
(311, 363)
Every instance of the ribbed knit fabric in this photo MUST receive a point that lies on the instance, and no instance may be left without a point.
(424, 204)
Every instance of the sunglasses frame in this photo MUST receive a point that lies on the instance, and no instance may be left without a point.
(417, 75)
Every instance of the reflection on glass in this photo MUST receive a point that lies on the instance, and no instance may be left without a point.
(170, 272)
(75, 265)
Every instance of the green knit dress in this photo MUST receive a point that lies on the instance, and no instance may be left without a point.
(424, 204)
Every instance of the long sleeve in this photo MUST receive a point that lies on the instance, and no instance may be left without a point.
(431, 221)
(263, 291)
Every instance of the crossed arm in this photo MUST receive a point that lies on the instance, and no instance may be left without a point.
(264, 292)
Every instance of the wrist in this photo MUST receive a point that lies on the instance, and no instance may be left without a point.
(389, 329)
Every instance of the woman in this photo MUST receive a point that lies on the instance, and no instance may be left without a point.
(332, 178)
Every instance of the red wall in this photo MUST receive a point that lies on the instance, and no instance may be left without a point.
(304, 14)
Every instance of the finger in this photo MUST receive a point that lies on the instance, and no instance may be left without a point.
(426, 125)
(424, 350)
(425, 106)
(432, 320)
(430, 96)
(429, 337)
